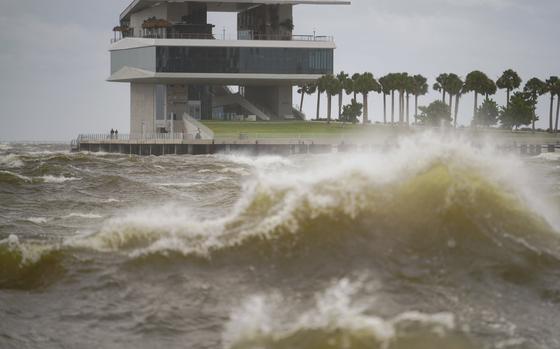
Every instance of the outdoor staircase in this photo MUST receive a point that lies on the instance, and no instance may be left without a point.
(224, 96)
(298, 115)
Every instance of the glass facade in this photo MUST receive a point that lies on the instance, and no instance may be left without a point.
(244, 60)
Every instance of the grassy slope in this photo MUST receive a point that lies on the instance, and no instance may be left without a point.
(281, 129)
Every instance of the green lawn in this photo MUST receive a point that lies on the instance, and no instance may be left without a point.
(316, 130)
(269, 129)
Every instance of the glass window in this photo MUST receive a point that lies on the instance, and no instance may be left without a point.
(249, 60)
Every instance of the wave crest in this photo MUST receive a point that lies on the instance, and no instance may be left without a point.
(446, 196)
(335, 320)
(28, 265)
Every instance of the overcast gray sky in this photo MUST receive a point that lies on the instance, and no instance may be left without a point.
(54, 59)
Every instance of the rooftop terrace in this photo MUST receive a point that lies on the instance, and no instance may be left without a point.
(231, 5)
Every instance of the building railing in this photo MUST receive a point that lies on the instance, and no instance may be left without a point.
(242, 35)
(108, 138)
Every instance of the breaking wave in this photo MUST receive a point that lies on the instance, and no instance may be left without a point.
(13, 178)
(28, 265)
(10, 161)
(430, 196)
(335, 320)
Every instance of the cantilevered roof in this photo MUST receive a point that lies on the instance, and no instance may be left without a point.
(230, 5)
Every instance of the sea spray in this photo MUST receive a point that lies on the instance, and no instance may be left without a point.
(427, 182)
(337, 319)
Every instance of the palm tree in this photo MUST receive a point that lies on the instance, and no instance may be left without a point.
(410, 88)
(441, 85)
(476, 82)
(454, 88)
(490, 88)
(509, 81)
(536, 88)
(365, 84)
(400, 80)
(550, 88)
(343, 79)
(392, 79)
(420, 88)
(333, 87)
(355, 77)
(390, 86)
(556, 90)
(386, 90)
(304, 89)
(321, 87)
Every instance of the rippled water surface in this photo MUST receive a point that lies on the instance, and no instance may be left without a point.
(434, 244)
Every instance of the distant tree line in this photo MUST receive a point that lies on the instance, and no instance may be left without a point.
(519, 110)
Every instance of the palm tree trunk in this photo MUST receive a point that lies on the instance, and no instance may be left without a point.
(443, 96)
(384, 108)
(551, 110)
(392, 107)
(475, 105)
(400, 108)
(318, 103)
(329, 107)
(340, 105)
(507, 94)
(365, 96)
(451, 105)
(301, 102)
(415, 109)
(557, 114)
(407, 109)
(456, 109)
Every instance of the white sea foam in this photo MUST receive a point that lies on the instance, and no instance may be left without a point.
(179, 185)
(82, 215)
(10, 161)
(37, 220)
(30, 253)
(335, 309)
(235, 170)
(58, 179)
(110, 200)
(265, 161)
(336, 183)
(549, 156)
(21, 177)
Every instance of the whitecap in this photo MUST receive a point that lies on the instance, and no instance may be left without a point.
(335, 309)
(179, 185)
(37, 220)
(549, 156)
(10, 161)
(21, 177)
(58, 179)
(82, 215)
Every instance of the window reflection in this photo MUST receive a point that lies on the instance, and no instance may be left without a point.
(251, 60)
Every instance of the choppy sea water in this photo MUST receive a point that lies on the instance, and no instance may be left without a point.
(433, 244)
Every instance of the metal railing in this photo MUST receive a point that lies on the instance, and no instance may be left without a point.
(108, 138)
(252, 36)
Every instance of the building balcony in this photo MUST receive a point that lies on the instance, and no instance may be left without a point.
(241, 35)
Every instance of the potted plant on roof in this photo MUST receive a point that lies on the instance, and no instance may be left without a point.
(154, 27)
(123, 29)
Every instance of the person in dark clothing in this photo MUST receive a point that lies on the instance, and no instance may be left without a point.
(116, 134)
(112, 133)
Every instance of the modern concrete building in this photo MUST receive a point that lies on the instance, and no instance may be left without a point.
(179, 70)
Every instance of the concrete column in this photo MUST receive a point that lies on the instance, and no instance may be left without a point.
(142, 108)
